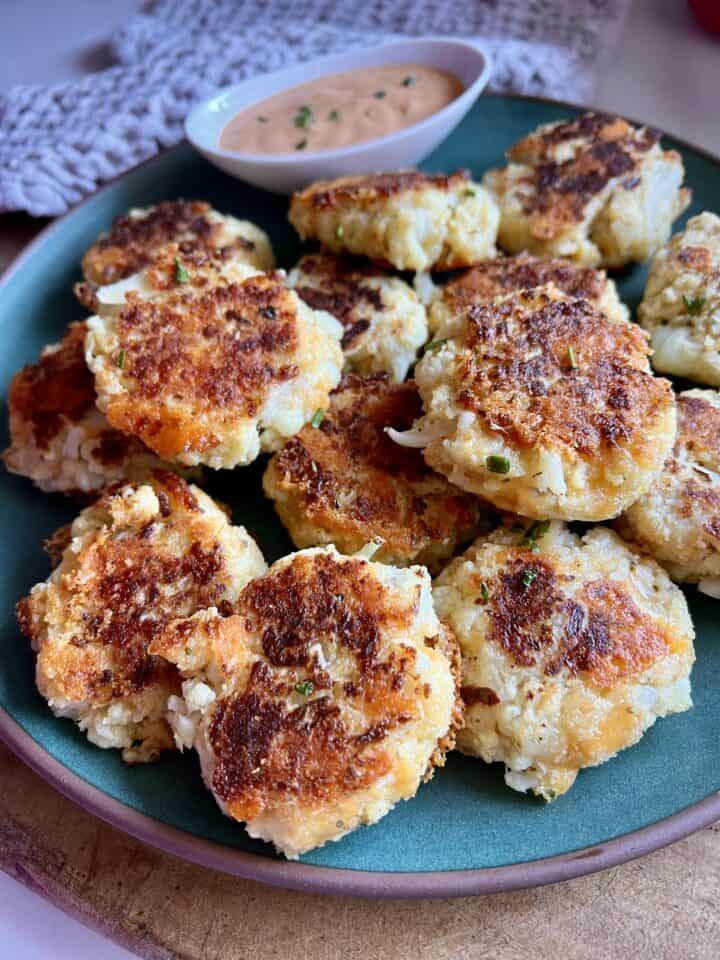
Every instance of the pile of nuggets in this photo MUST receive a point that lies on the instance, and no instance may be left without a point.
(321, 690)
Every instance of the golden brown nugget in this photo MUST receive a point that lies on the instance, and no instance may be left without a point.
(132, 240)
(140, 556)
(501, 276)
(543, 407)
(594, 189)
(571, 649)
(408, 219)
(678, 520)
(58, 437)
(384, 324)
(346, 482)
(328, 696)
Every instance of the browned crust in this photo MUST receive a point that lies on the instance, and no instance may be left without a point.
(347, 475)
(127, 247)
(338, 285)
(220, 349)
(266, 753)
(608, 148)
(123, 596)
(699, 434)
(601, 634)
(368, 189)
(516, 373)
(499, 276)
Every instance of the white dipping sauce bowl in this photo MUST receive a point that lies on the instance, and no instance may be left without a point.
(287, 172)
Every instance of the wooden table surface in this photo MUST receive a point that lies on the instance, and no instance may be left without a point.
(662, 906)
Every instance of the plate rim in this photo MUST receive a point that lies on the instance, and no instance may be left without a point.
(343, 880)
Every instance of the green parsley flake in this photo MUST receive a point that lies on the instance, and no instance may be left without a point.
(305, 688)
(340, 232)
(485, 592)
(380, 94)
(435, 345)
(496, 464)
(304, 117)
(468, 192)
(181, 274)
(529, 577)
(571, 358)
(408, 81)
(694, 304)
(334, 116)
(534, 533)
(120, 362)
(301, 144)
(318, 417)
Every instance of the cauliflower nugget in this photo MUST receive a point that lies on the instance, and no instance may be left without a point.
(571, 649)
(132, 240)
(140, 556)
(384, 324)
(326, 698)
(681, 304)
(59, 439)
(678, 519)
(501, 276)
(595, 190)
(208, 362)
(345, 482)
(545, 408)
(411, 220)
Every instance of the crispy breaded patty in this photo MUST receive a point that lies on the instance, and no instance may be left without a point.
(138, 557)
(132, 240)
(345, 482)
(384, 324)
(681, 303)
(411, 220)
(678, 520)
(503, 275)
(545, 408)
(595, 190)
(59, 439)
(326, 698)
(570, 650)
(211, 364)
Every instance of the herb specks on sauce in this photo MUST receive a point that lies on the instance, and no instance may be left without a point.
(342, 109)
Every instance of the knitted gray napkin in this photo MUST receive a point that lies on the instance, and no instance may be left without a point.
(58, 143)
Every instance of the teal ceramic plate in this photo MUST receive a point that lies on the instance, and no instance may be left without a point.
(465, 832)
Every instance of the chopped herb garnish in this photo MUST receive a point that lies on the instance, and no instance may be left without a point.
(533, 534)
(181, 274)
(408, 81)
(468, 192)
(435, 345)
(340, 231)
(318, 417)
(305, 688)
(313, 466)
(188, 651)
(268, 313)
(496, 464)
(571, 358)
(304, 117)
(301, 144)
(120, 362)
(262, 119)
(529, 577)
(334, 116)
(485, 592)
(380, 94)
(693, 304)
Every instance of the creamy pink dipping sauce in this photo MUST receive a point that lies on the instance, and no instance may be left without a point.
(341, 109)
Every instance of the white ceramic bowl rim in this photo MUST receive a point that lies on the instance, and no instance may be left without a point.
(227, 102)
